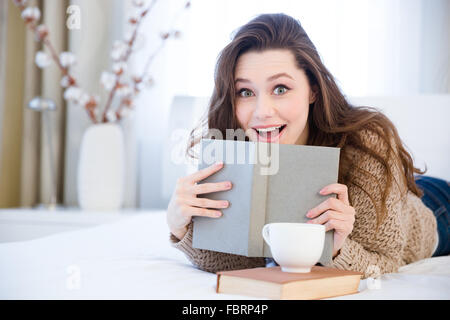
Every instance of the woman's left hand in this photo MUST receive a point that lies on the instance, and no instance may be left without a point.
(335, 213)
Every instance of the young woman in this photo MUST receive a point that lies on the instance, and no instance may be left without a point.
(270, 77)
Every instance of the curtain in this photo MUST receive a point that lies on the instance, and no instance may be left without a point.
(31, 135)
(37, 175)
(12, 34)
(22, 180)
(37, 186)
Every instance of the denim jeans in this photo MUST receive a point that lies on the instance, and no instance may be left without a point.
(437, 198)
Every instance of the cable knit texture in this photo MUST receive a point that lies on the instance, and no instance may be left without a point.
(407, 233)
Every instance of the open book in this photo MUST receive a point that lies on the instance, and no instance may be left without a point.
(271, 183)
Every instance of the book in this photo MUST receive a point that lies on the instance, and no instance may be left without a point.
(279, 187)
(272, 283)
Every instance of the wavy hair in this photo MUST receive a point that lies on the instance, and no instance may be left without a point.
(332, 120)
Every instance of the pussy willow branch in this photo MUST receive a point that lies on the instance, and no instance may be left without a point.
(124, 101)
(47, 43)
(127, 56)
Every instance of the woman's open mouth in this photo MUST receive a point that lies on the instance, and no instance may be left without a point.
(270, 134)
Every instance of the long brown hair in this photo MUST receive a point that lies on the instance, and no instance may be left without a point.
(332, 120)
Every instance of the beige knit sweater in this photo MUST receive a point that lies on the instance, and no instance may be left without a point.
(407, 234)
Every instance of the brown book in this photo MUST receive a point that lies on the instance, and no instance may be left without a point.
(272, 283)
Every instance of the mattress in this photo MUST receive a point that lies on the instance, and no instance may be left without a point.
(132, 259)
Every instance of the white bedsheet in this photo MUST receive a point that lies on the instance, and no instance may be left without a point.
(132, 259)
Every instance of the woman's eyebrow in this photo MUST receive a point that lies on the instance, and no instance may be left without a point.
(271, 78)
(279, 75)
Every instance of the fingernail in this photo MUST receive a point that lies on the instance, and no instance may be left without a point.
(218, 214)
(322, 191)
(219, 164)
(229, 185)
(308, 214)
(224, 204)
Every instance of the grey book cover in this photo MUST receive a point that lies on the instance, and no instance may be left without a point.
(271, 183)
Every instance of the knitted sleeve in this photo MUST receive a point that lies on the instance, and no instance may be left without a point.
(370, 250)
(213, 261)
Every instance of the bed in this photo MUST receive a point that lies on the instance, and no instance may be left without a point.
(132, 258)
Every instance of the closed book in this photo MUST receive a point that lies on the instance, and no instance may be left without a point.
(271, 183)
(272, 283)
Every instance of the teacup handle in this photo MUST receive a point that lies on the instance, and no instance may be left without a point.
(265, 234)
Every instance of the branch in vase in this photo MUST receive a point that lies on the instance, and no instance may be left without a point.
(31, 16)
(138, 80)
(124, 58)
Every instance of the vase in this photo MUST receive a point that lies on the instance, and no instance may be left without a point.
(101, 168)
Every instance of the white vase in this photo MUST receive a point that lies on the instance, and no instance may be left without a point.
(101, 168)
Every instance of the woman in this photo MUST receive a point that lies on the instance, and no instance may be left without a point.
(271, 78)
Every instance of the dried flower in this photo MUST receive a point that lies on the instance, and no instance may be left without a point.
(136, 78)
(108, 80)
(144, 12)
(41, 32)
(111, 116)
(42, 59)
(31, 14)
(68, 81)
(128, 36)
(136, 81)
(146, 82)
(84, 99)
(134, 17)
(91, 101)
(124, 90)
(176, 34)
(65, 82)
(73, 94)
(67, 59)
(127, 102)
(119, 68)
(132, 20)
(119, 50)
(165, 35)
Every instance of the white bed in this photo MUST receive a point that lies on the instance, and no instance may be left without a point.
(132, 259)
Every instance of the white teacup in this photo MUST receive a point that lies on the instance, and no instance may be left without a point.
(296, 247)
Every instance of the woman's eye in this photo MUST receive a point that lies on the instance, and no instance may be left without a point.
(280, 90)
(245, 93)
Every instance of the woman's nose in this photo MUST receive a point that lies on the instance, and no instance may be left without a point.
(264, 108)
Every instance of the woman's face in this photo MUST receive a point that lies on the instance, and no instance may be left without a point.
(272, 94)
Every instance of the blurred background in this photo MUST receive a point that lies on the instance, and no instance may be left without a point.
(392, 54)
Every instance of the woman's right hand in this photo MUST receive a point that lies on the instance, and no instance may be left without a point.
(184, 202)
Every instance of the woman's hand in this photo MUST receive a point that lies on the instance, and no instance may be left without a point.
(335, 213)
(184, 202)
